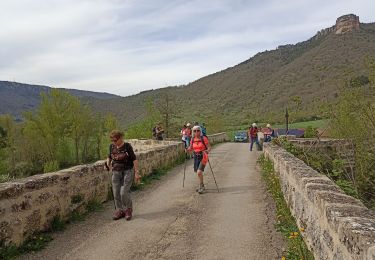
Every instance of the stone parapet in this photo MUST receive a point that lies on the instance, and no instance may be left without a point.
(336, 225)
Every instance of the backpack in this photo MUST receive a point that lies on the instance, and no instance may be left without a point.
(204, 131)
(123, 156)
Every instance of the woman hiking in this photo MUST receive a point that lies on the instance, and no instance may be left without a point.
(253, 134)
(124, 165)
(201, 147)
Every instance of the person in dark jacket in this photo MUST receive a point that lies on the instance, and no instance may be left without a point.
(124, 165)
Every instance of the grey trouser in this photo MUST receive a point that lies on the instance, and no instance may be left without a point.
(121, 183)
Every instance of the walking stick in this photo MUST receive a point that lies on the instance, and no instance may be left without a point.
(183, 180)
(110, 185)
(213, 175)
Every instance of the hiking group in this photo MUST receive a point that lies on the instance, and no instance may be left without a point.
(123, 164)
(258, 136)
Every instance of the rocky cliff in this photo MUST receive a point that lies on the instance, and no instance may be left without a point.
(347, 23)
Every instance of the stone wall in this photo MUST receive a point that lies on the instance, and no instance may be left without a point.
(29, 205)
(336, 225)
(218, 138)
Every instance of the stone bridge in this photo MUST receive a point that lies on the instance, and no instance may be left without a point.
(175, 223)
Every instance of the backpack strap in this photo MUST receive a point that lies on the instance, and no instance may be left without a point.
(202, 140)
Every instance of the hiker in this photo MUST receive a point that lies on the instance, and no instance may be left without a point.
(187, 135)
(200, 147)
(253, 134)
(124, 165)
(183, 136)
(269, 133)
(159, 132)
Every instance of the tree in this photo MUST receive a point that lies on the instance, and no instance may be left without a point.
(166, 108)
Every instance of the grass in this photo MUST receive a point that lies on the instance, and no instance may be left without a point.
(315, 124)
(286, 223)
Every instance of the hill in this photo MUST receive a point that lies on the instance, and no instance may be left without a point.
(15, 98)
(304, 76)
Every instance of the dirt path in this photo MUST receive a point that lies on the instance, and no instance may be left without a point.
(174, 223)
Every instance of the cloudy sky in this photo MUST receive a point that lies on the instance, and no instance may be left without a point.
(126, 46)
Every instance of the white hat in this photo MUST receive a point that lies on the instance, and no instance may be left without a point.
(254, 125)
(188, 124)
(268, 125)
(197, 127)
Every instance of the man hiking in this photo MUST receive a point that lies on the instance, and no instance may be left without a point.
(124, 165)
(253, 134)
(200, 147)
(159, 132)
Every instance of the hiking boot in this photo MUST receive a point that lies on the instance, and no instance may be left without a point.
(118, 214)
(201, 189)
(128, 214)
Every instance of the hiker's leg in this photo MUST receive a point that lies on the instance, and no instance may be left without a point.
(251, 143)
(128, 181)
(200, 177)
(200, 172)
(117, 180)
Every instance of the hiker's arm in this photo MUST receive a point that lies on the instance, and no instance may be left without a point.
(109, 160)
(133, 157)
(207, 144)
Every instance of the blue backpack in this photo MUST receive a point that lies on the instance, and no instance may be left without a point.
(203, 129)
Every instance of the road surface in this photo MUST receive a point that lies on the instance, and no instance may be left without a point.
(175, 223)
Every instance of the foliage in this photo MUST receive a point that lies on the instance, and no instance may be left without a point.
(286, 223)
(143, 129)
(57, 224)
(310, 132)
(326, 163)
(62, 132)
(321, 123)
(353, 119)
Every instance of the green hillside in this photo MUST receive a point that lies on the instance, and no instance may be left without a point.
(305, 76)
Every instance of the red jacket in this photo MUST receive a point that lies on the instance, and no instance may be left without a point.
(253, 131)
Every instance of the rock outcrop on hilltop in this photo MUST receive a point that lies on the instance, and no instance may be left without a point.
(347, 23)
(344, 24)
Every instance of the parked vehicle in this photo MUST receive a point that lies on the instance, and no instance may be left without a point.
(241, 136)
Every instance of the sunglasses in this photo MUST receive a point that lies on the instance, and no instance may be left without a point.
(196, 131)
(114, 140)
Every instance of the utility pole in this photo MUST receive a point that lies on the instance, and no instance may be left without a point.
(286, 121)
(166, 114)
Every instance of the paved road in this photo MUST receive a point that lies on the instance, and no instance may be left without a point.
(175, 223)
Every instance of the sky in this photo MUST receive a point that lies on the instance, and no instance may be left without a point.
(127, 46)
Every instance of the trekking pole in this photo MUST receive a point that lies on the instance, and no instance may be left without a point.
(213, 175)
(109, 184)
(183, 180)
